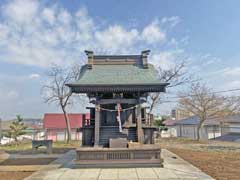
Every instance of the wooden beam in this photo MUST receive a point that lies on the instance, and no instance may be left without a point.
(117, 88)
(90, 108)
(139, 124)
(116, 101)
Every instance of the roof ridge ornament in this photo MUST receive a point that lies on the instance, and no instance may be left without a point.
(144, 55)
(90, 55)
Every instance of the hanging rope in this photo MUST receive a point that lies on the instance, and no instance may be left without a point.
(118, 109)
(119, 117)
(112, 110)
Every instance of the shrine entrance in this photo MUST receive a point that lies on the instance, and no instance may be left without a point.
(109, 114)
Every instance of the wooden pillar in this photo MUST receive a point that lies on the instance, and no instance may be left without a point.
(145, 116)
(83, 131)
(83, 120)
(139, 124)
(130, 116)
(97, 125)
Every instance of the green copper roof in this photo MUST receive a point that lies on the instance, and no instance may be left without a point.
(117, 75)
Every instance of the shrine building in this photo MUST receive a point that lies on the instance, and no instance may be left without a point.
(117, 86)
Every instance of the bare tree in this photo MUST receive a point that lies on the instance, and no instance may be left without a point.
(203, 103)
(176, 76)
(56, 91)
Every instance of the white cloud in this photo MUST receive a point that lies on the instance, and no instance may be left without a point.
(3, 32)
(34, 76)
(9, 94)
(232, 85)
(64, 17)
(12, 94)
(34, 34)
(173, 20)
(48, 15)
(84, 22)
(116, 36)
(185, 40)
(173, 42)
(164, 59)
(153, 34)
(21, 11)
(50, 38)
(235, 71)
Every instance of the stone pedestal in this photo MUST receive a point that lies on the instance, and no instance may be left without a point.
(118, 143)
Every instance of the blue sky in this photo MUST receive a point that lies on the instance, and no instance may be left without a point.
(34, 34)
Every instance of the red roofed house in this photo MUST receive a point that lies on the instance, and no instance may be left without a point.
(55, 126)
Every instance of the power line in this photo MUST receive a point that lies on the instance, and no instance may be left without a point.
(215, 92)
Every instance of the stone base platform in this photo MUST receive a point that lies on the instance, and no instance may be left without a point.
(174, 168)
(141, 156)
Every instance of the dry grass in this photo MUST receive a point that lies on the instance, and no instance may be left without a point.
(26, 147)
(184, 143)
(14, 175)
(219, 165)
(26, 161)
(221, 160)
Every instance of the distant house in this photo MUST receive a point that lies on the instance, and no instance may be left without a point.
(34, 132)
(55, 126)
(188, 128)
(178, 114)
(231, 124)
(230, 127)
(171, 129)
(34, 128)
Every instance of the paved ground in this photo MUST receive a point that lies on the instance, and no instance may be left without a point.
(174, 168)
